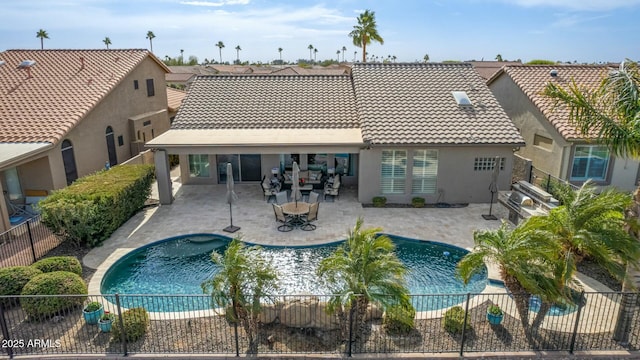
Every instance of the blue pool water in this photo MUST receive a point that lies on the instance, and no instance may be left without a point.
(178, 266)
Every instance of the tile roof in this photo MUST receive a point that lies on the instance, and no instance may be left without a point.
(532, 79)
(62, 87)
(268, 101)
(413, 104)
(175, 98)
(487, 69)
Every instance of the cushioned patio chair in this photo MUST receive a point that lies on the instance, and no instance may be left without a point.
(332, 189)
(282, 219)
(282, 198)
(313, 197)
(267, 190)
(311, 217)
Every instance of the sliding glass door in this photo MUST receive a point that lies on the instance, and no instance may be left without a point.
(246, 167)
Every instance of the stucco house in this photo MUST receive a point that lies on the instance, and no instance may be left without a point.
(66, 113)
(552, 143)
(397, 130)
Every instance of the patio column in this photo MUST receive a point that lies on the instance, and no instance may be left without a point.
(5, 224)
(163, 176)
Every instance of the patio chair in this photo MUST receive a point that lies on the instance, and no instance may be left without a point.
(267, 190)
(313, 197)
(18, 213)
(282, 197)
(332, 189)
(281, 218)
(312, 216)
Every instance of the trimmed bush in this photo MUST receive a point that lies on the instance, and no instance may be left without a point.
(53, 283)
(136, 322)
(13, 279)
(59, 263)
(453, 320)
(417, 202)
(379, 201)
(398, 319)
(93, 207)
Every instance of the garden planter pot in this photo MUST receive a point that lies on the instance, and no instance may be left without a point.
(105, 325)
(494, 319)
(92, 317)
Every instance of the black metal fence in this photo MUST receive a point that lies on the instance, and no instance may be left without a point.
(301, 324)
(25, 243)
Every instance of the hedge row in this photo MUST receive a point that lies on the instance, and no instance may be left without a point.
(93, 207)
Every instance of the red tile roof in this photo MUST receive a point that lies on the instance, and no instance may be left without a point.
(413, 104)
(175, 98)
(532, 79)
(44, 103)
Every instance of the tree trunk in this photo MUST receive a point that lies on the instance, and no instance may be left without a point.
(361, 316)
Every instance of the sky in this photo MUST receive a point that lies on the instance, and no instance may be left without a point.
(583, 31)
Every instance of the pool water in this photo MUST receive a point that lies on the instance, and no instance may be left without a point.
(179, 265)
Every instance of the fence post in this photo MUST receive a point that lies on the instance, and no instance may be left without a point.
(33, 248)
(575, 326)
(123, 335)
(464, 323)
(354, 308)
(5, 329)
(235, 330)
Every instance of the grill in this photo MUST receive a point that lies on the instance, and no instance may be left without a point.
(518, 200)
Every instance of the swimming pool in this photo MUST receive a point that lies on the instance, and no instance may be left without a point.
(179, 265)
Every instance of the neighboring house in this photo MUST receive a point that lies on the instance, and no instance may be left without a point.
(396, 130)
(174, 101)
(553, 144)
(179, 80)
(66, 113)
(487, 69)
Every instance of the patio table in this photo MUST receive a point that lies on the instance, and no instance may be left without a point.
(296, 210)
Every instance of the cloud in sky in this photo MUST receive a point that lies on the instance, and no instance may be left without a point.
(215, 3)
(580, 5)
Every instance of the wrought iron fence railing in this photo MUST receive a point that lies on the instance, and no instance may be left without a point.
(189, 324)
(26, 242)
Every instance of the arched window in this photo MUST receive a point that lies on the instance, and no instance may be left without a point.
(69, 161)
(111, 147)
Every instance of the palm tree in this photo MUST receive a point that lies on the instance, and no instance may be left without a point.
(365, 31)
(338, 57)
(426, 58)
(181, 56)
(526, 260)
(394, 58)
(107, 42)
(355, 53)
(364, 270)
(244, 279)
(611, 110)
(42, 34)
(344, 48)
(315, 55)
(310, 47)
(238, 54)
(280, 52)
(499, 58)
(220, 45)
(150, 36)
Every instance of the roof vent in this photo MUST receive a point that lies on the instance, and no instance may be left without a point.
(25, 64)
(553, 73)
(461, 98)
(2, 62)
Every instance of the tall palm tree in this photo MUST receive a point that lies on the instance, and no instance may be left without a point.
(394, 58)
(280, 52)
(244, 279)
(310, 47)
(107, 42)
(220, 45)
(355, 53)
(366, 31)
(238, 54)
(526, 259)
(150, 36)
(42, 34)
(338, 56)
(315, 55)
(363, 270)
(344, 48)
(181, 56)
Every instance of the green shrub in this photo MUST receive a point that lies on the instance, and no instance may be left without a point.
(13, 279)
(136, 322)
(453, 320)
(417, 202)
(93, 207)
(92, 306)
(59, 263)
(379, 201)
(398, 319)
(53, 283)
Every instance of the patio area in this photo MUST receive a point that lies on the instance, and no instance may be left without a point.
(202, 209)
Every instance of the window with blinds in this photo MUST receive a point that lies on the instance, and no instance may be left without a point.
(425, 171)
(394, 171)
